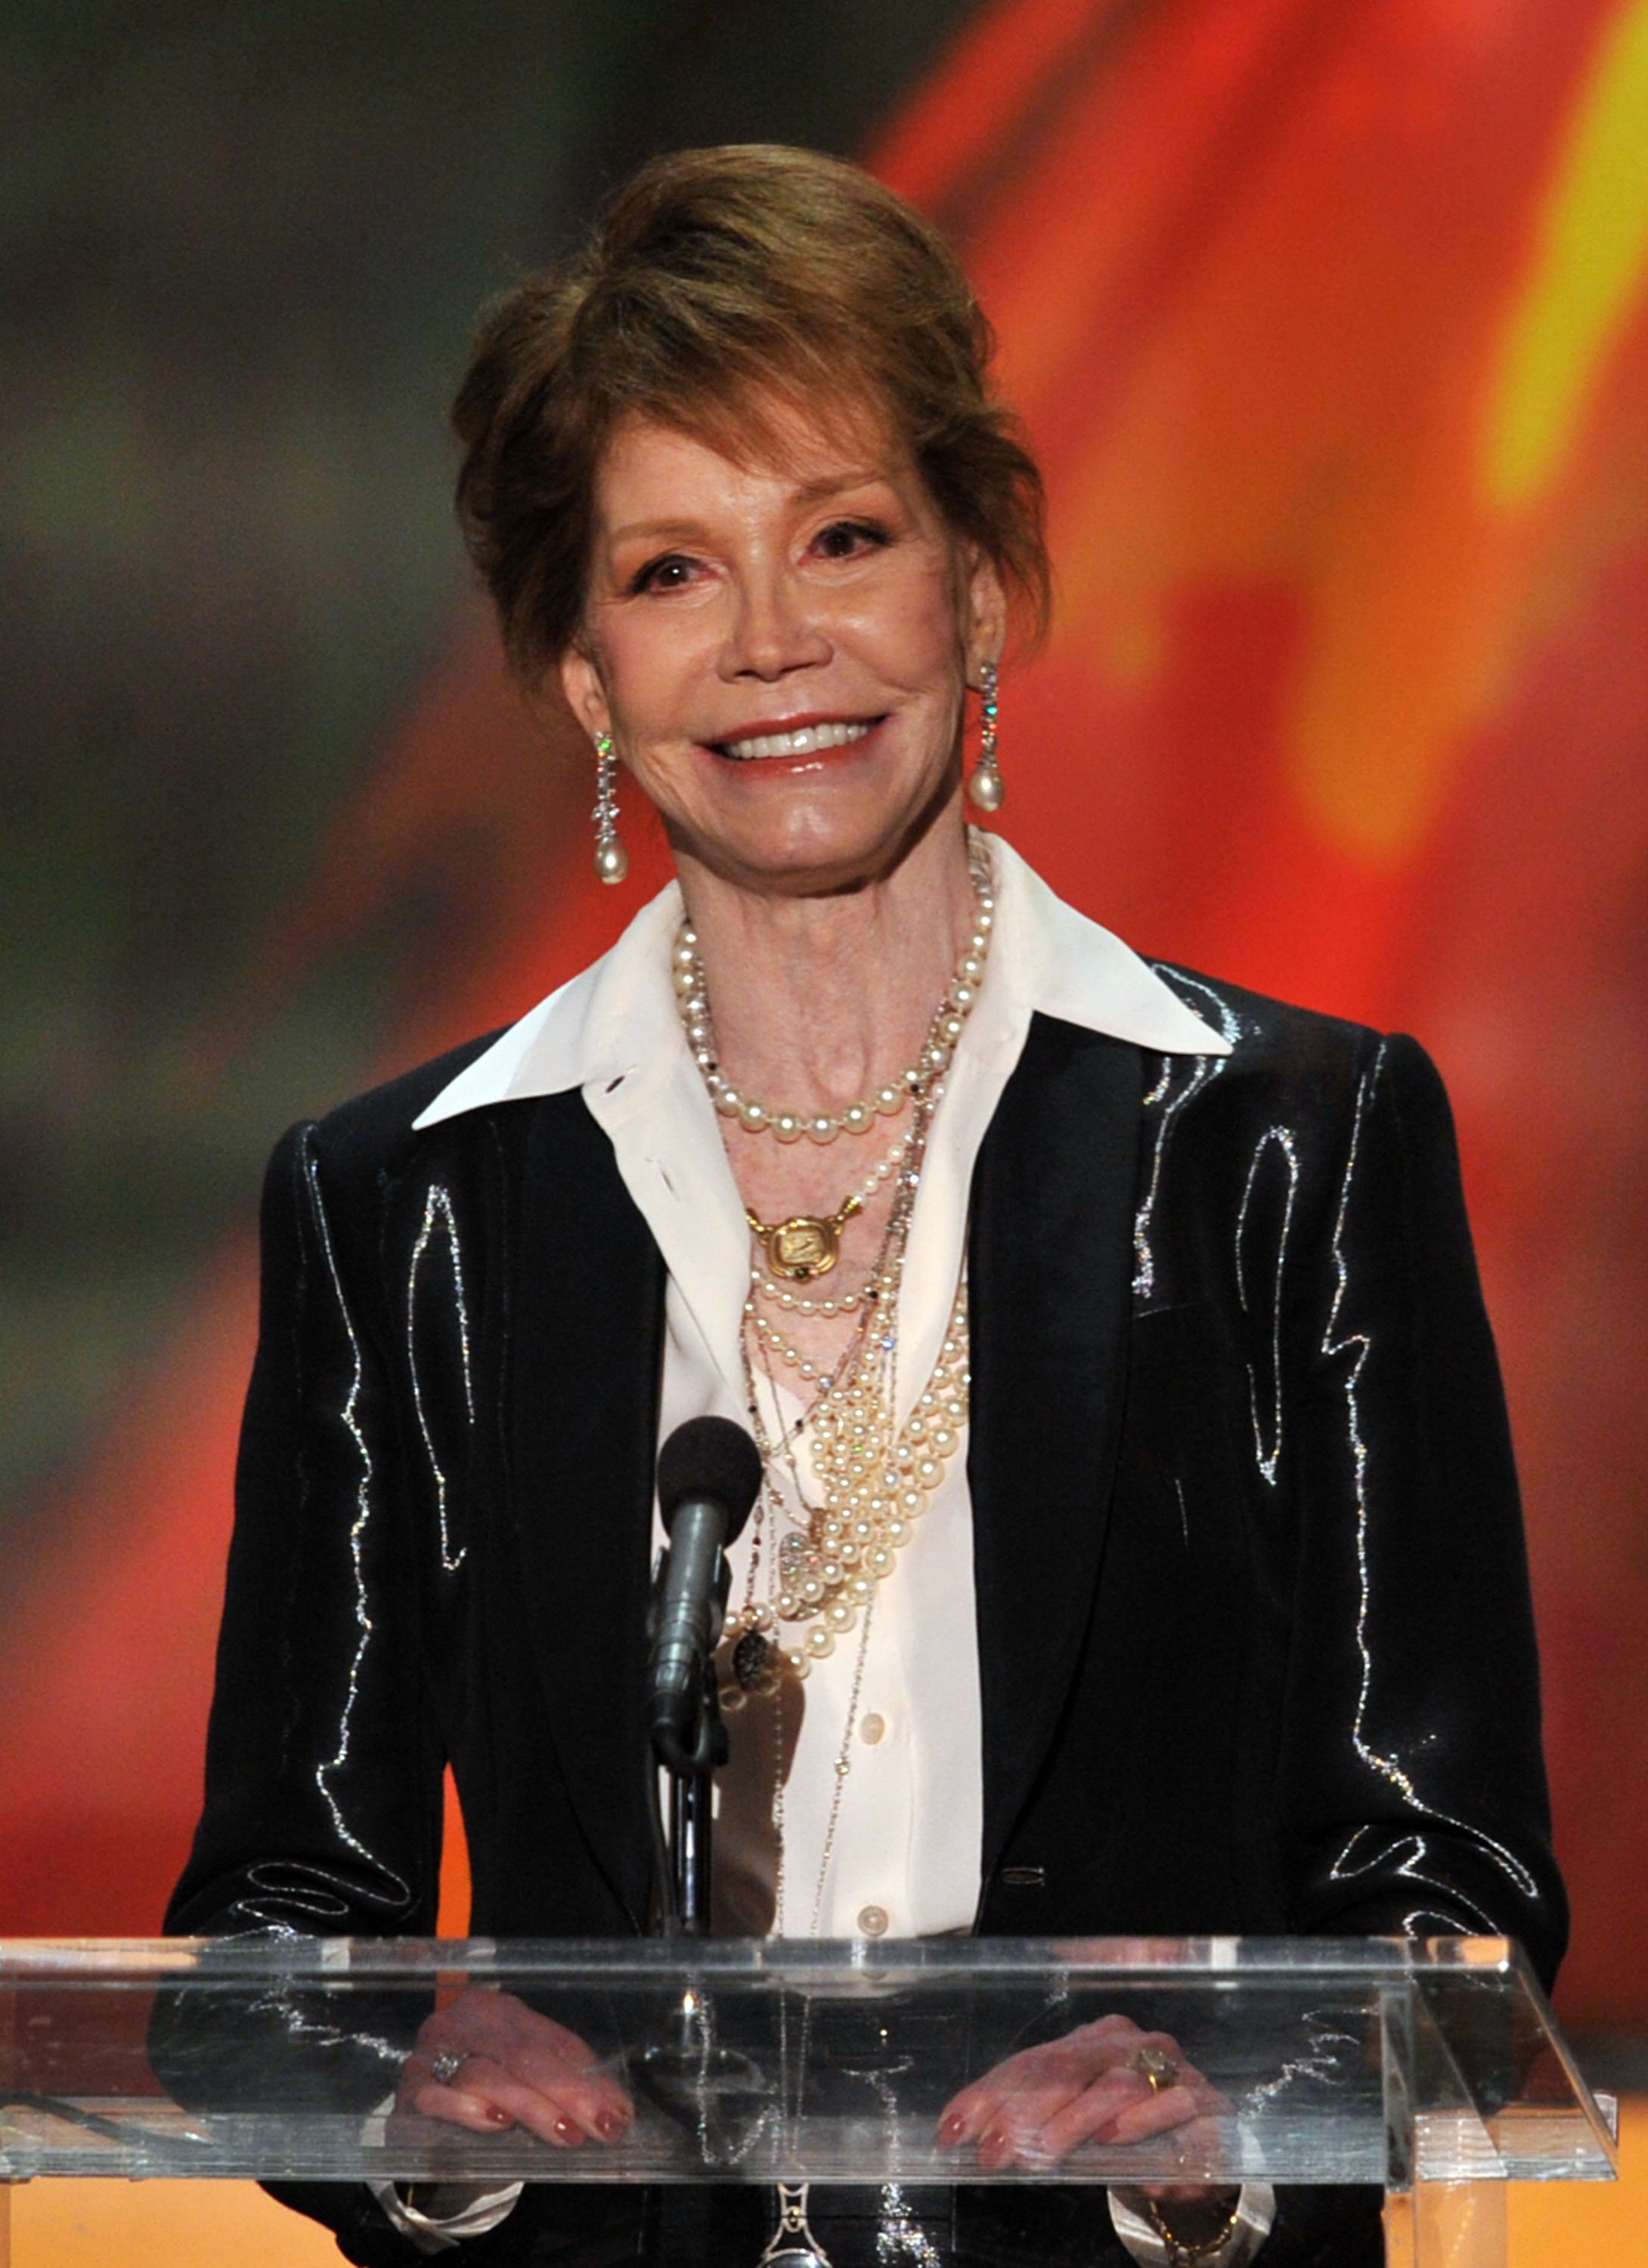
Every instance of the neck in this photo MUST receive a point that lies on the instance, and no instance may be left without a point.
(819, 1000)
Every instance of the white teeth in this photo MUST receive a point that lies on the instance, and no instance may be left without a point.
(801, 743)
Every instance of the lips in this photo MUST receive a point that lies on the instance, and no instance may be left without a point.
(799, 740)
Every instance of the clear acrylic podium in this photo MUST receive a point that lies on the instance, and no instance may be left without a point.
(1432, 2070)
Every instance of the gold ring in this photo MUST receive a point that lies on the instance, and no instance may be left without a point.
(1157, 2068)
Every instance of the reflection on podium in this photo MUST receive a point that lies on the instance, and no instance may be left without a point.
(1432, 2072)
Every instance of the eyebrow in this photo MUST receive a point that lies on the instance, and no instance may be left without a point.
(810, 491)
(807, 492)
(653, 528)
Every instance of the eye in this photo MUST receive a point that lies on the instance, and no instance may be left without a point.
(845, 539)
(670, 571)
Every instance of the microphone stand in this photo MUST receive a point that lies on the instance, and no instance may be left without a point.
(716, 2094)
(687, 1879)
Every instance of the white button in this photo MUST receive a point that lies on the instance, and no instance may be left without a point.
(873, 1921)
(871, 1729)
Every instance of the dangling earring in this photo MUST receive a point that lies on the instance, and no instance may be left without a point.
(985, 787)
(611, 861)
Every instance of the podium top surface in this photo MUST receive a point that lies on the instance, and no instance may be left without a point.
(1316, 2059)
(139, 1961)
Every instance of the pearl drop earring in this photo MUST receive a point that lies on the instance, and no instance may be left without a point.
(985, 787)
(611, 861)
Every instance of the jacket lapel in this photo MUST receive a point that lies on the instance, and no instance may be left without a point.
(583, 1429)
(1053, 1201)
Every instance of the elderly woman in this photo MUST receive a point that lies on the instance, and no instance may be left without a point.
(1137, 1549)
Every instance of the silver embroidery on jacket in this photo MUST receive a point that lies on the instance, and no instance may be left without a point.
(1203, 1070)
(363, 1511)
(1269, 1458)
(1358, 1347)
(438, 1208)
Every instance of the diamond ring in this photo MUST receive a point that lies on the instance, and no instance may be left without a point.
(1157, 2068)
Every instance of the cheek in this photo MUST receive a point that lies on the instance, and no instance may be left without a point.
(640, 670)
(914, 637)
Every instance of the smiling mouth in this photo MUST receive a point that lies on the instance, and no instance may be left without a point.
(805, 740)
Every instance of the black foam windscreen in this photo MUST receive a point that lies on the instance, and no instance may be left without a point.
(710, 1457)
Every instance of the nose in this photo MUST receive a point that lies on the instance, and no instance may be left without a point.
(773, 630)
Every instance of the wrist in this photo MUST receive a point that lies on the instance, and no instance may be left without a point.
(1196, 2232)
(1224, 2228)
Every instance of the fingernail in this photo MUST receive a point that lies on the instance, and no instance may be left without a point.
(609, 2125)
(565, 2130)
(950, 2130)
(499, 2115)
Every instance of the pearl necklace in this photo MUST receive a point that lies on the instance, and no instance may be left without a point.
(876, 1484)
(692, 1000)
(875, 1477)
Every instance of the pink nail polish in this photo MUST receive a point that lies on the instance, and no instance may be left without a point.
(610, 2125)
(565, 2130)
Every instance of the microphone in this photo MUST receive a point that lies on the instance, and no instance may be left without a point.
(708, 1475)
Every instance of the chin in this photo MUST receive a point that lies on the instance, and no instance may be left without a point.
(833, 858)
(829, 842)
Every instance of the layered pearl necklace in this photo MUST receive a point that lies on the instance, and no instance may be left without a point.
(874, 1477)
(808, 1245)
(823, 1126)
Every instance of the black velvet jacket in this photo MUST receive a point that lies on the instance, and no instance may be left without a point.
(1256, 1645)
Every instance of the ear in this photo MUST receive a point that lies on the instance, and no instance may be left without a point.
(986, 615)
(587, 695)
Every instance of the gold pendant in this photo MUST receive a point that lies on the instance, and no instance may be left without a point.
(806, 1245)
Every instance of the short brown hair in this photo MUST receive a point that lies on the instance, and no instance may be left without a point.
(718, 279)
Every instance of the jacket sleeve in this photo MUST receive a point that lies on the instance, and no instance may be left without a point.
(323, 1774)
(1412, 1798)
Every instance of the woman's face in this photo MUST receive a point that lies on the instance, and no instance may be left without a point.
(781, 652)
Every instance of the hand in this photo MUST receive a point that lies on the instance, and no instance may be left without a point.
(1035, 2108)
(518, 2068)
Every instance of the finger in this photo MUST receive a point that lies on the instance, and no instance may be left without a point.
(566, 2111)
(965, 2117)
(1014, 2133)
(490, 2037)
(510, 2101)
(483, 2097)
(1201, 2151)
(1157, 2113)
(1049, 2083)
(591, 2085)
(979, 2108)
(1101, 2115)
(456, 2107)
(600, 2110)
(590, 2095)
(1062, 2067)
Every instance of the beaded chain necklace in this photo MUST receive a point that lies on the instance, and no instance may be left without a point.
(824, 1549)
(808, 1245)
(873, 1476)
(824, 1560)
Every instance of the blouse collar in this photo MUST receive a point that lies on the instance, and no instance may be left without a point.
(614, 1026)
